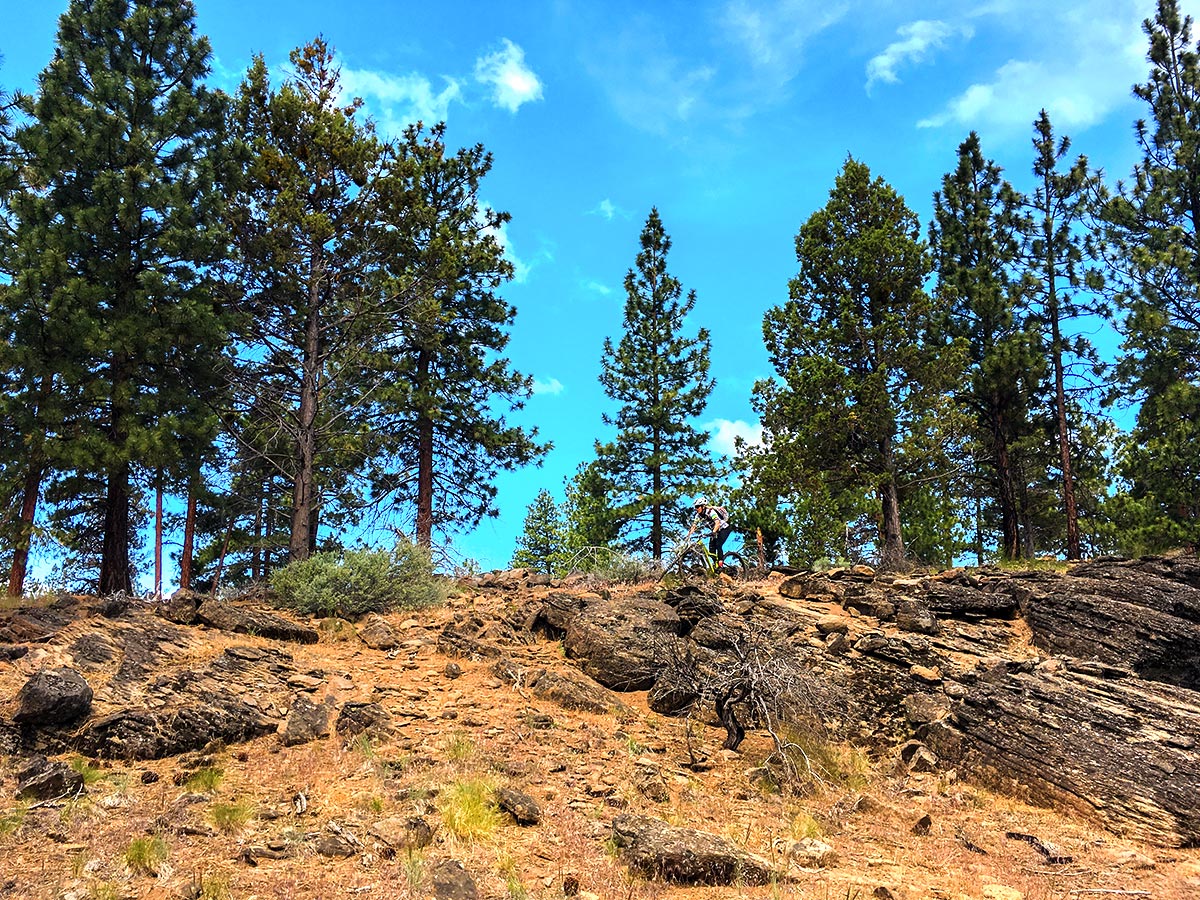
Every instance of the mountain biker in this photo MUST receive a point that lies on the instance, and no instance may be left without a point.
(716, 520)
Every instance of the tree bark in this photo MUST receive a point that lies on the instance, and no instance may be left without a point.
(20, 561)
(189, 539)
(158, 536)
(891, 557)
(115, 574)
(424, 456)
(303, 487)
(1006, 495)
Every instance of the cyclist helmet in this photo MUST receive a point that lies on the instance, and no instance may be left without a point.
(700, 502)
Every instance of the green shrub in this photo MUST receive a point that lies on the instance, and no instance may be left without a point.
(207, 780)
(469, 808)
(352, 583)
(145, 855)
(230, 817)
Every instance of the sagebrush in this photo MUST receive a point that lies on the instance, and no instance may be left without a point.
(352, 583)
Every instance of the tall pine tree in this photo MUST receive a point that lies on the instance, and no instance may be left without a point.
(974, 237)
(115, 231)
(445, 386)
(659, 377)
(1152, 246)
(856, 375)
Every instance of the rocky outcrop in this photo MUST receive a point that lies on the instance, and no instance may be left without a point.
(245, 620)
(654, 849)
(1074, 688)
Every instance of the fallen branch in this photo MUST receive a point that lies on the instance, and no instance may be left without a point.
(1110, 891)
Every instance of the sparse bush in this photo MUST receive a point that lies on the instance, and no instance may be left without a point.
(468, 808)
(353, 583)
(207, 780)
(12, 820)
(459, 747)
(144, 855)
(90, 774)
(231, 818)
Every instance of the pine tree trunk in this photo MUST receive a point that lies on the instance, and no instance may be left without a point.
(1006, 496)
(424, 458)
(1064, 438)
(158, 536)
(256, 553)
(114, 562)
(656, 523)
(891, 557)
(20, 561)
(300, 540)
(189, 539)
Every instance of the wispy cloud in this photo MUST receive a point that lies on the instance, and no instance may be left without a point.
(553, 387)
(596, 287)
(400, 100)
(513, 82)
(723, 434)
(917, 39)
(773, 35)
(608, 210)
(1098, 52)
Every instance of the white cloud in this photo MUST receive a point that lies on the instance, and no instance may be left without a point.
(513, 82)
(724, 432)
(773, 35)
(554, 387)
(597, 287)
(608, 210)
(400, 100)
(917, 39)
(1098, 51)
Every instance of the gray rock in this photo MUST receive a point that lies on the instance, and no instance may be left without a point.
(307, 721)
(53, 697)
(41, 779)
(370, 719)
(403, 833)
(377, 634)
(519, 805)
(623, 643)
(243, 620)
(915, 616)
(451, 881)
(654, 849)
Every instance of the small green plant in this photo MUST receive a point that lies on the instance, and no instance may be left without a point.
(353, 583)
(78, 861)
(804, 825)
(105, 890)
(468, 808)
(90, 774)
(206, 780)
(144, 855)
(459, 747)
(507, 867)
(363, 746)
(414, 869)
(230, 818)
(213, 887)
(12, 820)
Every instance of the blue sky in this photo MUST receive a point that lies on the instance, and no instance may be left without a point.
(731, 116)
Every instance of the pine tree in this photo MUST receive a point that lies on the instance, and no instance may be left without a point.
(307, 225)
(1059, 288)
(541, 546)
(589, 520)
(659, 377)
(1152, 246)
(856, 376)
(975, 242)
(446, 387)
(114, 234)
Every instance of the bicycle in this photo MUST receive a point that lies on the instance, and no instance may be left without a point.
(691, 556)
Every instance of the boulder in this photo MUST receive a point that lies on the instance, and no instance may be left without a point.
(403, 833)
(623, 643)
(307, 721)
(519, 805)
(377, 634)
(654, 849)
(452, 881)
(53, 697)
(41, 779)
(370, 719)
